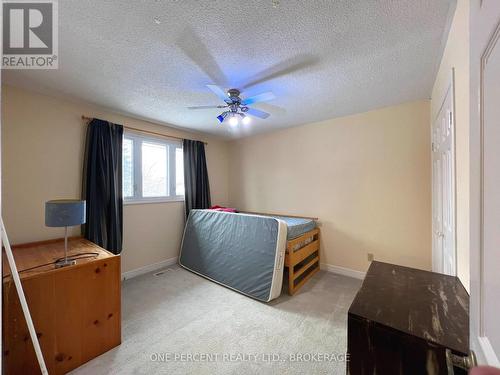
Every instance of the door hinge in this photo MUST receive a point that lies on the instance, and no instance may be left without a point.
(433, 147)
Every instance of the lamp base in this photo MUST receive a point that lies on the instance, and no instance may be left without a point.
(65, 262)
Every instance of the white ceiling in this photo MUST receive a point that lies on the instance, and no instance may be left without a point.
(341, 56)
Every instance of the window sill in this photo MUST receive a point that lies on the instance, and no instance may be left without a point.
(127, 202)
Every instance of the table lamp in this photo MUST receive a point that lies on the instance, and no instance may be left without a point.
(64, 213)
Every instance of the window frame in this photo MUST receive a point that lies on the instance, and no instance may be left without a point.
(172, 145)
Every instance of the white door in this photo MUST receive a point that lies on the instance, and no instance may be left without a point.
(485, 179)
(443, 187)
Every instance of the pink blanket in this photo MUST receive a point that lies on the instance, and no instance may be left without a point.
(225, 209)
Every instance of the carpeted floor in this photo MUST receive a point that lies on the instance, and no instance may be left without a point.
(181, 323)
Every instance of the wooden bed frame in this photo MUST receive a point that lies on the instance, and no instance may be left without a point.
(302, 263)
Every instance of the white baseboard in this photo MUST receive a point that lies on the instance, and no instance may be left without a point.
(343, 271)
(488, 354)
(149, 268)
(168, 262)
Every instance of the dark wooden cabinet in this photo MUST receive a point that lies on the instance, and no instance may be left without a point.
(403, 320)
(76, 310)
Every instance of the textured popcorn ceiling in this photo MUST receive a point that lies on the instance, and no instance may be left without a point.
(152, 59)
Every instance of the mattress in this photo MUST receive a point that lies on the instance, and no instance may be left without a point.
(297, 226)
(240, 251)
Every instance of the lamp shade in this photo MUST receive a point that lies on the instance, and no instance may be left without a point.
(64, 213)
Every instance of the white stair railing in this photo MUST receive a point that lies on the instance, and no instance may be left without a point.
(22, 299)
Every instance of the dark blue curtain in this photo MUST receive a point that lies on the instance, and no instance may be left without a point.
(102, 185)
(196, 186)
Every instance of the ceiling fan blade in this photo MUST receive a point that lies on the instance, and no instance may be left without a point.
(271, 108)
(194, 48)
(264, 97)
(207, 106)
(258, 113)
(283, 68)
(219, 92)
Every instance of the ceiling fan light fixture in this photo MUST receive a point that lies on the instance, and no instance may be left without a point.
(233, 121)
(235, 106)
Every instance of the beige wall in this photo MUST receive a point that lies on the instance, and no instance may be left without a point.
(42, 156)
(367, 177)
(456, 55)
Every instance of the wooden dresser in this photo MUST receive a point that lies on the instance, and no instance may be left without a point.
(409, 322)
(76, 310)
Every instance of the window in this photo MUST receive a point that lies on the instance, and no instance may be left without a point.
(153, 169)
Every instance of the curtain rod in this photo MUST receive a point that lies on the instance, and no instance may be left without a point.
(143, 131)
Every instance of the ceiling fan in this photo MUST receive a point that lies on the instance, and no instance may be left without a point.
(237, 108)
